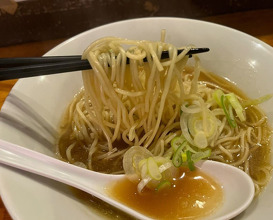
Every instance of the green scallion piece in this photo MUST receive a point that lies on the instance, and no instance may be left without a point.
(165, 184)
(236, 105)
(231, 121)
(217, 94)
(177, 158)
(177, 142)
(189, 161)
(257, 101)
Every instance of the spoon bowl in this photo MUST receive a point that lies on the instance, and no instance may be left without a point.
(233, 180)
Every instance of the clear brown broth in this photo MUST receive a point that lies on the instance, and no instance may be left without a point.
(192, 195)
(178, 202)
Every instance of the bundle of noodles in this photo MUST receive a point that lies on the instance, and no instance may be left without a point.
(148, 104)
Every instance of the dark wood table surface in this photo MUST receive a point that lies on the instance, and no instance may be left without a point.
(258, 23)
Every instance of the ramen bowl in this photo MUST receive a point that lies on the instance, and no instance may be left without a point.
(31, 114)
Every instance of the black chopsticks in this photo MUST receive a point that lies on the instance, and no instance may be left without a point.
(22, 67)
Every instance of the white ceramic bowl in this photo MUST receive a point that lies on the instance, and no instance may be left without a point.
(31, 113)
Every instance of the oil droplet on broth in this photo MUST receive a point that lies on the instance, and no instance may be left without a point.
(191, 196)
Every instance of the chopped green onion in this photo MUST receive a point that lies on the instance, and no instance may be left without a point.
(196, 124)
(160, 160)
(257, 101)
(144, 170)
(153, 169)
(184, 157)
(230, 112)
(217, 94)
(131, 161)
(137, 158)
(189, 160)
(141, 163)
(177, 159)
(200, 140)
(190, 148)
(201, 155)
(231, 121)
(236, 105)
(177, 142)
(165, 184)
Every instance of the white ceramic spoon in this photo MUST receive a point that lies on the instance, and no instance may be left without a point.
(238, 186)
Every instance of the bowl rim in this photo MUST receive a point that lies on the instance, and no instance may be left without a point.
(268, 47)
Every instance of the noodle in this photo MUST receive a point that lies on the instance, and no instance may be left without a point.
(148, 105)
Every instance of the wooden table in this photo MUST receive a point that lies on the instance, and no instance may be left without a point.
(256, 23)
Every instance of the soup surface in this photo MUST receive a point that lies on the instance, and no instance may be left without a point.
(193, 195)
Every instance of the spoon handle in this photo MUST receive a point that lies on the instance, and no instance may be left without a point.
(89, 181)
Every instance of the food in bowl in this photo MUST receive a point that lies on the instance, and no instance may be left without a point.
(148, 119)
